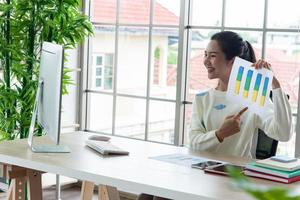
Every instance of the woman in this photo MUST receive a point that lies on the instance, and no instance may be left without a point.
(227, 128)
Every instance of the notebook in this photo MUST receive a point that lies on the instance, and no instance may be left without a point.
(276, 172)
(105, 148)
(291, 166)
(271, 177)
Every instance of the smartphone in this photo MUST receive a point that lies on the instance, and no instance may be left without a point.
(222, 169)
(203, 165)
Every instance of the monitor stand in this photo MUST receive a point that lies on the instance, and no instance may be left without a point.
(42, 148)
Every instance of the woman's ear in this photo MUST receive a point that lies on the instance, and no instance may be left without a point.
(230, 62)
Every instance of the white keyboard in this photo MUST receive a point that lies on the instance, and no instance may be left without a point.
(105, 148)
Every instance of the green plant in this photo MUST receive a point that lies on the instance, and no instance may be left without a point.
(157, 53)
(261, 193)
(24, 25)
(172, 56)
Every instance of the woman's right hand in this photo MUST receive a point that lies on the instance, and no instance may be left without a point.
(230, 126)
(263, 64)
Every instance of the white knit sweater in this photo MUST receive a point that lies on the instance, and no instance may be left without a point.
(210, 109)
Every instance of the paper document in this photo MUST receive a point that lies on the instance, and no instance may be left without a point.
(180, 159)
(248, 86)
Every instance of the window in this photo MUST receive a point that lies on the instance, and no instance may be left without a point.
(147, 67)
(103, 71)
(134, 68)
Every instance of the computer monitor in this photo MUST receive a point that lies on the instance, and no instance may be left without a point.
(47, 106)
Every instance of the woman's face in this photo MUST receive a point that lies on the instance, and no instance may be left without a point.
(216, 64)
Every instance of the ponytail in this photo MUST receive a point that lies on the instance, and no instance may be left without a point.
(232, 45)
(248, 52)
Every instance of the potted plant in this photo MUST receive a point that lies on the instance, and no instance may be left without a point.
(24, 25)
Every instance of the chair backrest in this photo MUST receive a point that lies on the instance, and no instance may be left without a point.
(266, 146)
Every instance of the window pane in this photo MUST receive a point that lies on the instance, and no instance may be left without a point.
(100, 112)
(284, 14)
(98, 71)
(134, 12)
(282, 51)
(206, 13)
(197, 74)
(166, 12)
(130, 117)
(102, 43)
(109, 60)
(133, 60)
(99, 60)
(98, 82)
(103, 11)
(161, 121)
(187, 123)
(246, 13)
(108, 83)
(164, 63)
(108, 71)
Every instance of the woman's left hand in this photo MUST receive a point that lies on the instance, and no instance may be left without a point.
(263, 64)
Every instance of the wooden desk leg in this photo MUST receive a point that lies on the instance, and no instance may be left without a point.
(11, 190)
(16, 189)
(34, 183)
(87, 190)
(19, 176)
(106, 192)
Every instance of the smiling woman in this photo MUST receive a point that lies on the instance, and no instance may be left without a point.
(216, 122)
(220, 54)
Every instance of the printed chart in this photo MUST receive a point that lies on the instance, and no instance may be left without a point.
(249, 86)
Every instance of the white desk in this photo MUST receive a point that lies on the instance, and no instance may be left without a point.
(135, 172)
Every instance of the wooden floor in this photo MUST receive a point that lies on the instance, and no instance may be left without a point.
(70, 193)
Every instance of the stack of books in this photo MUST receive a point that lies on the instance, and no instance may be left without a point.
(274, 170)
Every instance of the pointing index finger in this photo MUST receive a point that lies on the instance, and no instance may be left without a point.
(239, 114)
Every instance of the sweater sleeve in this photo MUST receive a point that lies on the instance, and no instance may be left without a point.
(199, 137)
(277, 123)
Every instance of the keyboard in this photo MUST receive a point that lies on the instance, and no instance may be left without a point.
(105, 148)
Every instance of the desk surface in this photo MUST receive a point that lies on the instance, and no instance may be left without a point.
(136, 172)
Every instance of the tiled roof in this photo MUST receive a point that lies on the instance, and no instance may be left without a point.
(198, 74)
(132, 11)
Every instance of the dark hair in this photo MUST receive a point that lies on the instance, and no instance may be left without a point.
(233, 45)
